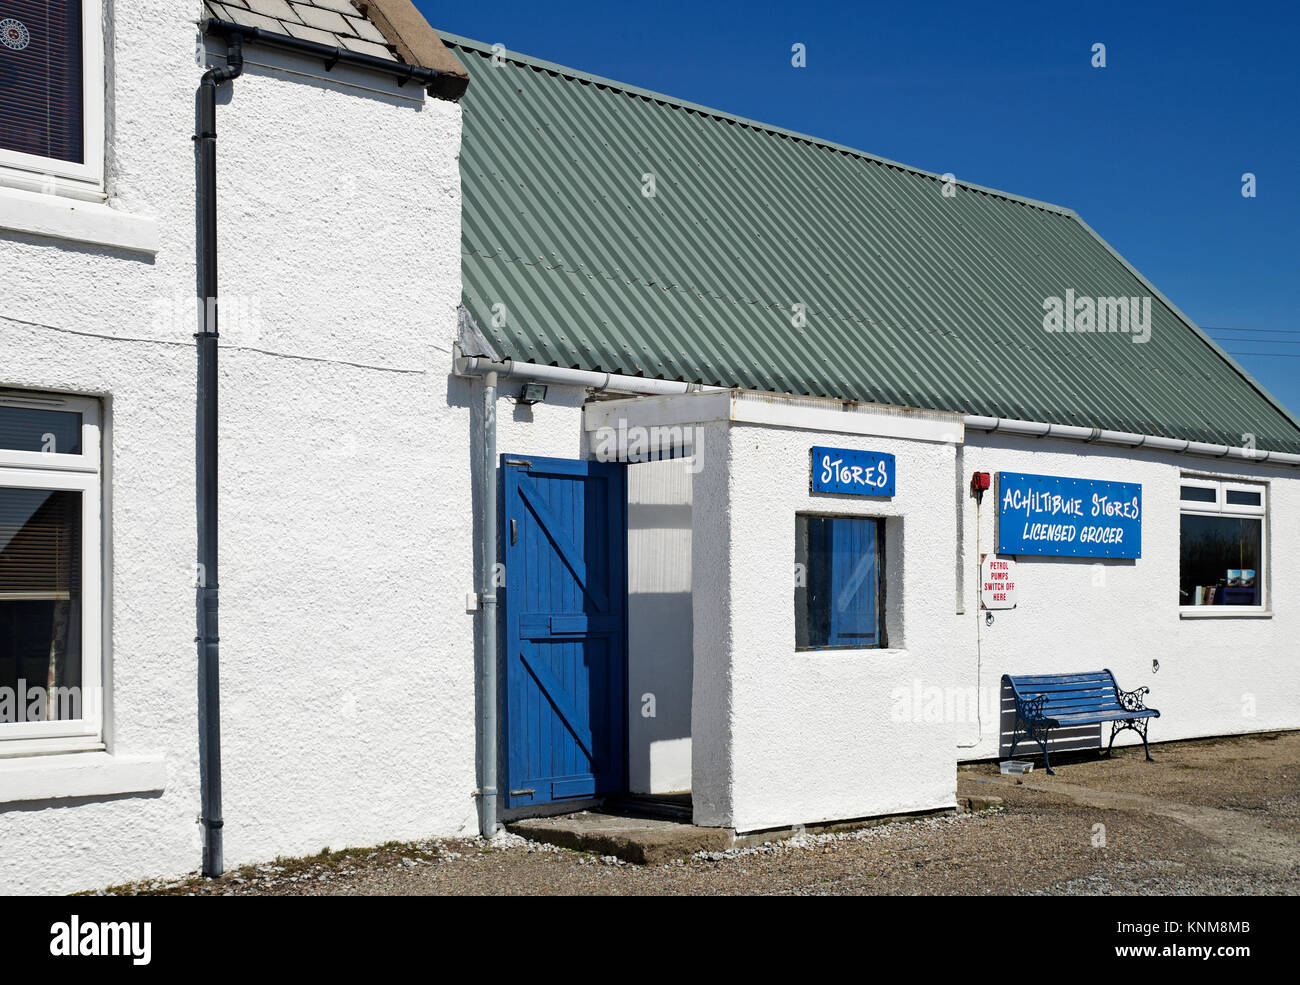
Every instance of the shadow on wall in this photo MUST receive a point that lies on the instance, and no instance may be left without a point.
(1081, 738)
(660, 620)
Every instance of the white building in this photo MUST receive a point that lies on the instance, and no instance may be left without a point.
(670, 323)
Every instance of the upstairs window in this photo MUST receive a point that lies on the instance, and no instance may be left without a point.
(1221, 548)
(839, 583)
(51, 93)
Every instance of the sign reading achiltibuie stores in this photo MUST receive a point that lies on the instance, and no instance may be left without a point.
(851, 472)
(1063, 517)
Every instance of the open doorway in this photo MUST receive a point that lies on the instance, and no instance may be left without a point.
(660, 634)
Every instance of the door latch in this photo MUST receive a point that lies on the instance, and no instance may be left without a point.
(514, 532)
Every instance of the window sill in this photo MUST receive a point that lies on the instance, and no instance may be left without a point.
(82, 222)
(1225, 612)
(82, 774)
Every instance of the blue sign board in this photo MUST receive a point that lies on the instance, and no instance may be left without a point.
(1061, 517)
(852, 473)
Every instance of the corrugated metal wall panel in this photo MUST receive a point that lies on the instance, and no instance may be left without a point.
(912, 298)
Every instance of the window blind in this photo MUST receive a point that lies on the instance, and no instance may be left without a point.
(40, 604)
(40, 549)
(41, 102)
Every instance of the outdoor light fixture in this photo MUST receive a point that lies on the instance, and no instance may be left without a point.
(532, 393)
(980, 481)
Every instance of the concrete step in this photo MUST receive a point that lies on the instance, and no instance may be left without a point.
(643, 840)
(665, 807)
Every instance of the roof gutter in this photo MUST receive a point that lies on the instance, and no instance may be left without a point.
(434, 83)
(508, 369)
(1128, 439)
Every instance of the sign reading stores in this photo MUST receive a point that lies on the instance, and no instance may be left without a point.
(1057, 516)
(851, 472)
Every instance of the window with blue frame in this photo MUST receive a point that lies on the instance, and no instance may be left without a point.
(839, 582)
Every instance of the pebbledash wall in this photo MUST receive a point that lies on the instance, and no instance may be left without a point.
(809, 736)
(347, 657)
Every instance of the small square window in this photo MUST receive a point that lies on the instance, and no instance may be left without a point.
(839, 585)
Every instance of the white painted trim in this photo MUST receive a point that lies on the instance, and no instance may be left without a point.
(1228, 612)
(89, 174)
(26, 748)
(59, 217)
(658, 411)
(81, 774)
(775, 410)
(790, 412)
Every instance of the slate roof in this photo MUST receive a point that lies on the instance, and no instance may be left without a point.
(909, 296)
(337, 23)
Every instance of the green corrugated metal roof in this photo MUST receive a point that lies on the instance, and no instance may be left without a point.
(912, 298)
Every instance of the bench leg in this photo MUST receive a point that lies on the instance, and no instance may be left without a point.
(1047, 762)
(1015, 739)
(1137, 725)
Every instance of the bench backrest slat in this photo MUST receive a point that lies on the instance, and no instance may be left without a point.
(1067, 694)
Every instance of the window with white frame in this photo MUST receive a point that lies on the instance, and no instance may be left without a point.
(50, 624)
(52, 94)
(1221, 546)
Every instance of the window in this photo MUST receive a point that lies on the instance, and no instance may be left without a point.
(839, 582)
(50, 623)
(1221, 547)
(51, 93)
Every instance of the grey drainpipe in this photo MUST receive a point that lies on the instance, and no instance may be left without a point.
(205, 453)
(487, 593)
(206, 602)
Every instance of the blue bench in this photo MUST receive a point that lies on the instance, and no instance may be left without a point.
(1048, 701)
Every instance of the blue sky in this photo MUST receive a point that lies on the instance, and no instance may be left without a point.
(1150, 150)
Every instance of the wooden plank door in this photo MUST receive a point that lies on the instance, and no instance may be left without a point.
(565, 628)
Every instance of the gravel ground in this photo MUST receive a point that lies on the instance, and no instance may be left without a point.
(1212, 817)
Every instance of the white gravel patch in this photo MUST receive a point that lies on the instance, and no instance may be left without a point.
(811, 842)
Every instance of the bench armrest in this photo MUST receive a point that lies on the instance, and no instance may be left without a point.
(1132, 700)
(1030, 709)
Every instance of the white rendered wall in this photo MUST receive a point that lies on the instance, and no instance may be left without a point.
(786, 737)
(347, 668)
(1217, 676)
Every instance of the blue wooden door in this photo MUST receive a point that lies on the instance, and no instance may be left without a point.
(565, 616)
